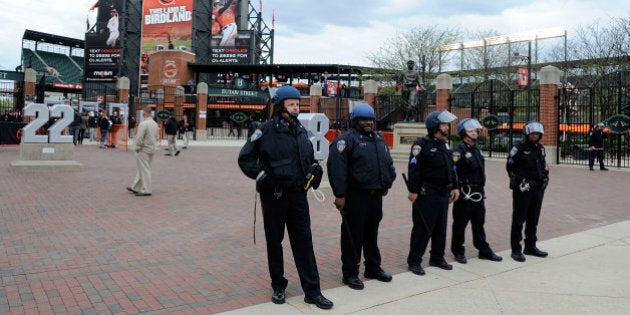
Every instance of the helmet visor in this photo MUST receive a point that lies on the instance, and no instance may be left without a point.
(446, 117)
(534, 127)
(471, 124)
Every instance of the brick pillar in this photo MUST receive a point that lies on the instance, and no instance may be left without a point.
(549, 82)
(315, 93)
(370, 89)
(444, 85)
(178, 108)
(122, 85)
(159, 97)
(30, 76)
(202, 111)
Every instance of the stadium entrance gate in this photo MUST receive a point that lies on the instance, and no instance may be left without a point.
(580, 108)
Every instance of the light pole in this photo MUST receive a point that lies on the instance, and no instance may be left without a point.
(529, 63)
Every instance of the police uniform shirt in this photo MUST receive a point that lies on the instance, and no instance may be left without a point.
(431, 161)
(359, 161)
(470, 164)
(282, 149)
(527, 160)
(596, 138)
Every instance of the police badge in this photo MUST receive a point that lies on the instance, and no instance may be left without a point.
(341, 145)
(416, 149)
(456, 156)
(256, 135)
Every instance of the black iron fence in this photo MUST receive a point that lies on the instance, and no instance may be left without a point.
(581, 108)
(11, 98)
(493, 97)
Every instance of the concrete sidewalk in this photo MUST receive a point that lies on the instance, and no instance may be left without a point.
(585, 273)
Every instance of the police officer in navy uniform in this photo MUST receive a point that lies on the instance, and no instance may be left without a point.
(279, 156)
(529, 175)
(360, 171)
(596, 147)
(432, 186)
(470, 206)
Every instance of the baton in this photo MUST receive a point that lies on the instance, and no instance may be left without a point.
(344, 222)
(414, 207)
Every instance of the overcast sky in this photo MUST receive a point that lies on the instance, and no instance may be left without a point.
(332, 31)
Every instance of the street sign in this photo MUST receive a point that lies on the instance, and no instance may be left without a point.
(163, 114)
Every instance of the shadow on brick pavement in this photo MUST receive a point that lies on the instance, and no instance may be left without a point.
(78, 242)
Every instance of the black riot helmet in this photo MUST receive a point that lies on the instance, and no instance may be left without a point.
(434, 119)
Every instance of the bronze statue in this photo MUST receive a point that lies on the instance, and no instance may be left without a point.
(410, 79)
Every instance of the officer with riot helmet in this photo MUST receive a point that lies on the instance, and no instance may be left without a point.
(470, 166)
(360, 171)
(432, 186)
(280, 156)
(596, 147)
(529, 175)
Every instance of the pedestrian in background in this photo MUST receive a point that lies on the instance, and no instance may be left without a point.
(186, 128)
(144, 148)
(171, 128)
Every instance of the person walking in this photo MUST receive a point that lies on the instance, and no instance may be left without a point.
(186, 128)
(470, 207)
(279, 156)
(144, 147)
(104, 125)
(93, 125)
(171, 127)
(360, 172)
(74, 127)
(432, 186)
(529, 176)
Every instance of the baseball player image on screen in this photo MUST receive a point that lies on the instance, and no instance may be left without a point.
(225, 14)
(112, 26)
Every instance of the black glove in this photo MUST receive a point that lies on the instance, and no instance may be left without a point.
(314, 178)
(265, 182)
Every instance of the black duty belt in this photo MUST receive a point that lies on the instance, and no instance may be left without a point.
(439, 188)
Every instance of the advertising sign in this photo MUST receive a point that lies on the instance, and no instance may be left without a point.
(166, 24)
(102, 49)
(228, 45)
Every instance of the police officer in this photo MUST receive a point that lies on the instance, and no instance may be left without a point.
(360, 171)
(596, 147)
(470, 166)
(279, 155)
(529, 175)
(432, 186)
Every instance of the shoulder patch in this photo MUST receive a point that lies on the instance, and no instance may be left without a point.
(456, 156)
(416, 149)
(513, 151)
(341, 145)
(256, 135)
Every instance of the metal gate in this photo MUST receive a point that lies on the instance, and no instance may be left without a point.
(580, 108)
(11, 96)
(495, 98)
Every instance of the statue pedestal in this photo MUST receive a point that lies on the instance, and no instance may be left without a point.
(46, 157)
(405, 134)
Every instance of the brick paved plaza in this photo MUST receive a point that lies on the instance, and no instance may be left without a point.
(79, 243)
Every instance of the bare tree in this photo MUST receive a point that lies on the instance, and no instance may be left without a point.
(413, 45)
